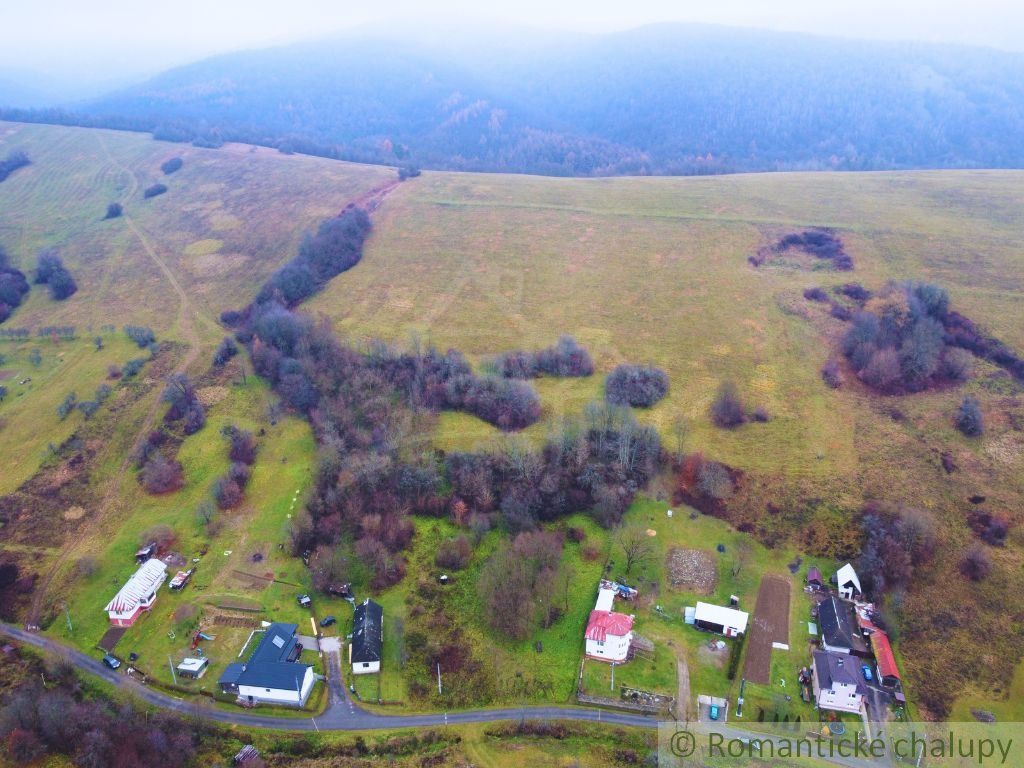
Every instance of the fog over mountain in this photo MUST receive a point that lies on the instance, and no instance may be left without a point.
(666, 98)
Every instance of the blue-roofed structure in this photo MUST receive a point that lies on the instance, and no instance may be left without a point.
(271, 675)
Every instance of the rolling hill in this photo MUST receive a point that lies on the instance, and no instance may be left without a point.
(664, 99)
(638, 269)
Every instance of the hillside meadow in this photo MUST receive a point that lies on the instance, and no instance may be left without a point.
(655, 271)
(637, 269)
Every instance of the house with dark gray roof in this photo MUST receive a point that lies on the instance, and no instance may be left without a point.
(838, 626)
(367, 638)
(271, 675)
(838, 684)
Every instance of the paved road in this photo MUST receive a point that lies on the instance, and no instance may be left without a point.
(342, 714)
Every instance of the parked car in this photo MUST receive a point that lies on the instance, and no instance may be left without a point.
(111, 661)
(327, 621)
(304, 601)
(866, 671)
(713, 712)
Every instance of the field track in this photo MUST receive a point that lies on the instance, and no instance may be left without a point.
(187, 317)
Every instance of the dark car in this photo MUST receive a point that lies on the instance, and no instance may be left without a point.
(111, 661)
(327, 621)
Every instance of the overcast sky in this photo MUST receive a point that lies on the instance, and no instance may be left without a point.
(95, 38)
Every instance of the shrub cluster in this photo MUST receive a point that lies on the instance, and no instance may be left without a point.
(160, 474)
(454, 553)
(114, 210)
(968, 417)
(184, 405)
(39, 720)
(15, 159)
(898, 343)
(819, 243)
(336, 247)
(154, 190)
(13, 286)
(141, 335)
(225, 351)
(229, 489)
(703, 483)
(172, 165)
(565, 358)
(991, 529)
(635, 385)
(727, 409)
(51, 272)
(963, 333)
(897, 539)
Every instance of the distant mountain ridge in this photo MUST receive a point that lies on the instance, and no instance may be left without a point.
(670, 98)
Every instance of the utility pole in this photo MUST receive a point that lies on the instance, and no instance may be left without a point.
(170, 663)
(613, 677)
(438, 678)
(739, 701)
(67, 615)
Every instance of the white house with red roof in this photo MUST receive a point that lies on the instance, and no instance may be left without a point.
(609, 634)
(138, 594)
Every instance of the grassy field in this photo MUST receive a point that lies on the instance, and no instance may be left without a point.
(654, 270)
(641, 270)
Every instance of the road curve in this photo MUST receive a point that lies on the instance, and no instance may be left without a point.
(341, 713)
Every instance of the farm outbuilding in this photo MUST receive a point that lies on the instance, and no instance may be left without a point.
(814, 578)
(193, 668)
(848, 583)
(720, 620)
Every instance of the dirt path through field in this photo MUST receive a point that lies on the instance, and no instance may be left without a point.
(188, 316)
(683, 707)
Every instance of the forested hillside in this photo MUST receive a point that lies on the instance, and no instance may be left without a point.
(666, 99)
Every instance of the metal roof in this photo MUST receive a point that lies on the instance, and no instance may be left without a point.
(718, 614)
(145, 580)
(604, 623)
(279, 675)
(367, 632)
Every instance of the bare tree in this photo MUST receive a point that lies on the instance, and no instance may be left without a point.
(635, 545)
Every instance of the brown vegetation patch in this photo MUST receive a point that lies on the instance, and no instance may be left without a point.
(692, 569)
(211, 395)
(74, 513)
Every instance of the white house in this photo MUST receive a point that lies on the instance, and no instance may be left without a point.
(608, 635)
(847, 583)
(138, 594)
(367, 643)
(837, 682)
(271, 675)
(723, 621)
(273, 682)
